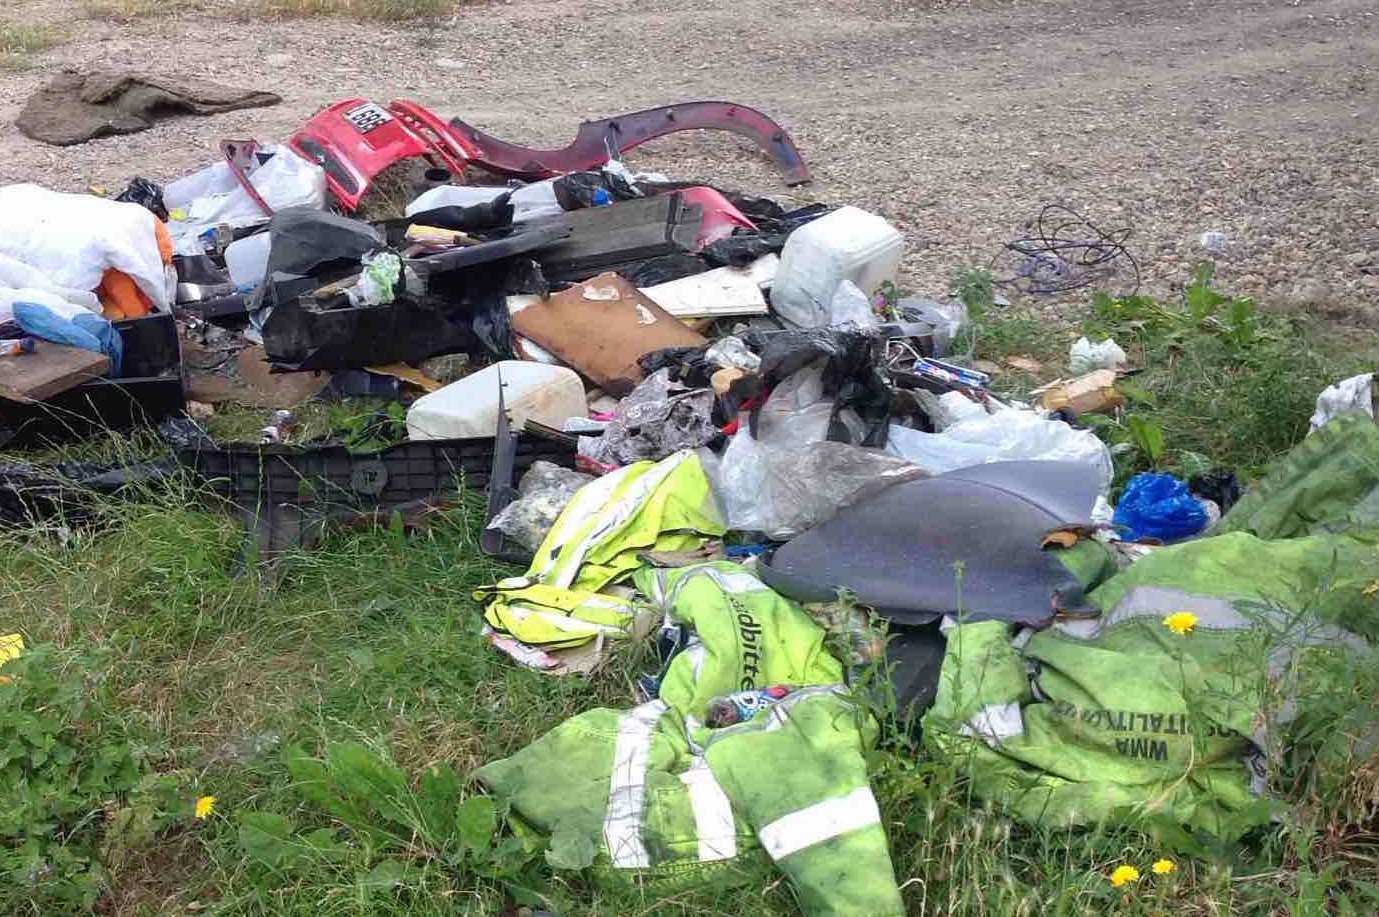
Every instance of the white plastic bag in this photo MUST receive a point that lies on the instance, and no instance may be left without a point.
(850, 304)
(71, 240)
(1085, 357)
(212, 196)
(1008, 435)
(1353, 394)
(15, 275)
(529, 202)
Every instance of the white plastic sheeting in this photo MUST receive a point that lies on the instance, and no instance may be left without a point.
(1008, 435)
(1353, 394)
(212, 196)
(64, 243)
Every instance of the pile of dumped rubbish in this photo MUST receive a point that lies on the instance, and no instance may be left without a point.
(704, 421)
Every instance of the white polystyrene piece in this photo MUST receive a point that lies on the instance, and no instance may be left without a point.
(721, 291)
(469, 406)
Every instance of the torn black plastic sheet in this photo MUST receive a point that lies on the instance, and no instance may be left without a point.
(32, 492)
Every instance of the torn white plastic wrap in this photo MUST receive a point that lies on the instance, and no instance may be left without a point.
(1348, 395)
(212, 196)
(529, 202)
(1085, 357)
(1008, 435)
(788, 479)
(851, 305)
(64, 243)
(541, 495)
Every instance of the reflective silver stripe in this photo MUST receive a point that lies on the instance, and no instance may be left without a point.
(736, 582)
(562, 622)
(995, 723)
(615, 513)
(696, 653)
(820, 822)
(622, 824)
(713, 814)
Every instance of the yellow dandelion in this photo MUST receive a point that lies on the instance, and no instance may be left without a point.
(1163, 867)
(1181, 622)
(1123, 875)
(205, 807)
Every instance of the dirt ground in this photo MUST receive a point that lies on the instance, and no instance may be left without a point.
(1257, 118)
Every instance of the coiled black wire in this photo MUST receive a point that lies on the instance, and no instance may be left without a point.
(1066, 252)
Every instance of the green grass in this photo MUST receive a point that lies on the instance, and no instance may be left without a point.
(20, 40)
(368, 649)
(1223, 380)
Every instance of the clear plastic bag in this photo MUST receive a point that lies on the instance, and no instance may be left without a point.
(212, 196)
(542, 493)
(1085, 357)
(947, 319)
(1006, 436)
(784, 489)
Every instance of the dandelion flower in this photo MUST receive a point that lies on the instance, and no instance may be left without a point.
(1124, 875)
(1181, 622)
(1163, 867)
(205, 807)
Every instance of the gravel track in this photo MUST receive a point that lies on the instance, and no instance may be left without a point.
(1258, 118)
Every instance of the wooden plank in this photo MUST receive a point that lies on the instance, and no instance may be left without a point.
(49, 370)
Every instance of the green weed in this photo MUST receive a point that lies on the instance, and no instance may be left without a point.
(1221, 382)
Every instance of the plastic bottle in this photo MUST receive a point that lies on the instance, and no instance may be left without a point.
(469, 407)
(847, 244)
(17, 347)
(247, 261)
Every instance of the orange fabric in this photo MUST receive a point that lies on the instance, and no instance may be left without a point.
(165, 246)
(120, 296)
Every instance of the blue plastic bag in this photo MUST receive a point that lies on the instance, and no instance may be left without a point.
(86, 330)
(1159, 506)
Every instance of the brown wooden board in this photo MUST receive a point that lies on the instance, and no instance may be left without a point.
(600, 327)
(50, 370)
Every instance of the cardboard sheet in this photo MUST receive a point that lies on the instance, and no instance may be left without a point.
(600, 327)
